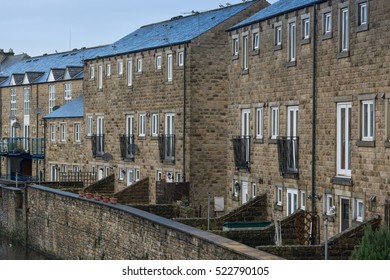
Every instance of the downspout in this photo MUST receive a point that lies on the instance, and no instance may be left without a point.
(314, 120)
(37, 134)
(184, 111)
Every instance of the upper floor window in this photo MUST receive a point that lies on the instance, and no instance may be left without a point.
(142, 125)
(362, 15)
(327, 23)
(154, 125)
(181, 58)
(139, 65)
(26, 101)
(52, 97)
(68, 92)
(344, 31)
(255, 40)
(52, 132)
(359, 210)
(170, 67)
(89, 125)
(13, 102)
(63, 132)
(245, 52)
(305, 27)
(235, 46)
(77, 128)
(259, 123)
(120, 67)
(292, 41)
(368, 120)
(108, 70)
(278, 35)
(274, 122)
(100, 76)
(129, 73)
(92, 71)
(343, 137)
(158, 62)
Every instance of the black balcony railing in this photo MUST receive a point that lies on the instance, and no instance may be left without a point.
(241, 148)
(35, 147)
(288, 150)
(166, 145)
(127, 147)
(97, 145)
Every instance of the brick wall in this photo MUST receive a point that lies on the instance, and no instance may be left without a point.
(70, 227)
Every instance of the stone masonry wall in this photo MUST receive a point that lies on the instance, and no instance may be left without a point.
(69, 227)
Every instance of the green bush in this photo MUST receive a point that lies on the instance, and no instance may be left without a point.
(375, 245)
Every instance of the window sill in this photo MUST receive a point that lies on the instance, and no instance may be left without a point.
(327, 36)
(245, 72)
(363, 27)
(141, 137)
(292, 63)
(278, 207)
(169, 83)
(256, 52)
(343, 181)
(305, 41)
(343, 54)
(272, 141)
(258, 141)
(365, 144)
(154, 137)
(235, 57)
(235, 198)
(138, 73)
(277, 47)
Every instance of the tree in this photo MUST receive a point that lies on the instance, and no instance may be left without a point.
(375, 245)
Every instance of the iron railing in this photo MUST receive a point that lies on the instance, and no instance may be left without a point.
(127, 147)
(35, 147)
(97, 145)
(288, 151)
(166, 145)
(87, 178)
(241, 148)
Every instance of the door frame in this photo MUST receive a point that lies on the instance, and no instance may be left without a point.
(342, 212)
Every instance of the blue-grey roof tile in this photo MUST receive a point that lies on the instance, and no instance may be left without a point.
(175, 31)
(73, 109)
(278, 8)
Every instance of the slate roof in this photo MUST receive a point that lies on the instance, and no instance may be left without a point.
(73, 109)
(276, 9)
(58, 73)
(45, 63)
(181, 29)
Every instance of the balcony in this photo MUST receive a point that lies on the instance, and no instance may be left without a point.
(241, 148)
(127, 147)
(166, 145)
(97, 145)
(288, 150)
(32, 147)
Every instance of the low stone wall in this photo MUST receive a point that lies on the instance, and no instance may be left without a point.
(138, 193)
(66, 226)
(103, 186)
(11, 212)
(164, 210)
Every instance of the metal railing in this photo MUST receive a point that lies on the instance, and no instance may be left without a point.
(23, 145)
(166, 145)
(127, 147)
(97, 145)
(241, 149)
(288, 151)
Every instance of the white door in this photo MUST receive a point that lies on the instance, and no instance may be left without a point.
(244, 192)
(292, 201)
(100, 173)
(344, 111)
(129, 177)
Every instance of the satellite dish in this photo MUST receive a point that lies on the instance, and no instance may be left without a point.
(38, 111)
(56, 107)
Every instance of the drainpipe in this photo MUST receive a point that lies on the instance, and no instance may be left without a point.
(37, 133)
(314, 128)
(184, 111)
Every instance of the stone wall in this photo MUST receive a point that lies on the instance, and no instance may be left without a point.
(138, 193)
(11, 212)
(69, 227)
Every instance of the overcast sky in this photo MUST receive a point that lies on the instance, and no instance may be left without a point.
(36, 27)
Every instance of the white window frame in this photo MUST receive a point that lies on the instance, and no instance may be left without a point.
(142, 125)
(292, 41)
(344, 139)
(181, 58)
(13, 102)
(77, 132)
(53, 132)
(254, 190)
(154, 125)
(344, 29)
(139, 65)
(255, 40)
(52, 97)
(53, 172)
(278, 33)
(92, 71)
(67, 92)
(235, 192)
(259, 122)
(137, 174)
(327, 23)
(291, 201)
(178, 178)
(26, 101)
(129, 73)
(363, 13)
(245, 52)
(279, 195)
(158, 62)
(63, 132)
(100, 77)
(235, 45)
(305, 27)
(303, 199)
(368, 120)
(108, 70)
(169, 67)
(129, 177)
(359, 213)
(120, 67)
(329, 203)
(122, 172)
(158, 175)
(274, 122)
(89, 125)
